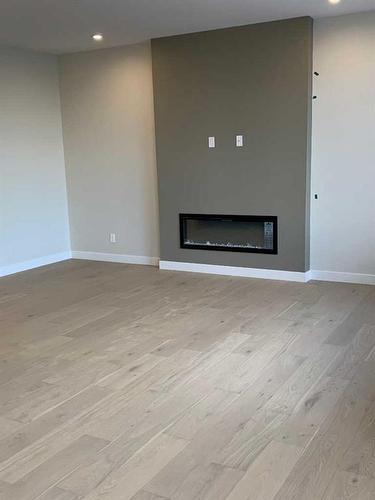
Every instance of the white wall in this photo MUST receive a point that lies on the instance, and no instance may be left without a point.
(108, 123)
(33, 206)
(343, 167)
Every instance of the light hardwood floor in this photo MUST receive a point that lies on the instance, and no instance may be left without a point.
(123, 382)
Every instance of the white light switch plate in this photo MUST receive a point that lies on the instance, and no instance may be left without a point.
(211, 142)
(239, 141)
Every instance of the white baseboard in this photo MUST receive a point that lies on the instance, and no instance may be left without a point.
(247, 272)
(308, 276)
(114, 257)
(358, 278)
(34, 263)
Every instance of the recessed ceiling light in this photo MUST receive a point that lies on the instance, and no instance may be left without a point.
(98, 37)
(334, 2)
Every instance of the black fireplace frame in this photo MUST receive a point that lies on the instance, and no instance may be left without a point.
(241, 218)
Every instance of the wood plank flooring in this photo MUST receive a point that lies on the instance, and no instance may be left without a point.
(125, 382)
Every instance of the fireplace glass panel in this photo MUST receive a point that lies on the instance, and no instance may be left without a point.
(229, 233)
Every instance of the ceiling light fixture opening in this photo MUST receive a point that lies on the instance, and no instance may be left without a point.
(98, 37)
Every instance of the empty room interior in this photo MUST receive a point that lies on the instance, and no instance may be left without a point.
(187, 250)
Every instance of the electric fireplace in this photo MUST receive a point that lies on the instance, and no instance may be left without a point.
(229, 233)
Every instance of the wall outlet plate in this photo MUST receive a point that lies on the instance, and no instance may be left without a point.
(112, 237)
(239, 141)
(211, 142)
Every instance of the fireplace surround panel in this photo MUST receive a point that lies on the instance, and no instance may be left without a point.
(250, 80)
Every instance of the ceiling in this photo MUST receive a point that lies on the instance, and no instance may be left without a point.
(60, 26)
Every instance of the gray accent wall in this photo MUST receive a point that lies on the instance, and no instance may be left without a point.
(252, 80)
